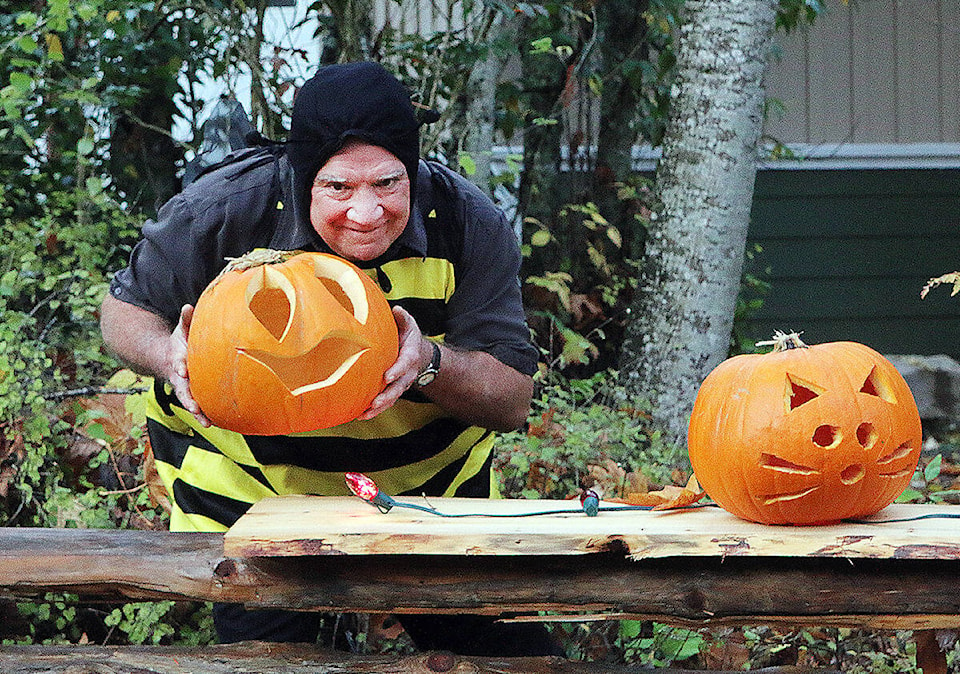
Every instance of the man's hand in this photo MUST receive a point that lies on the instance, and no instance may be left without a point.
(472, 385)
(146, 342)
(415, 353)
(177, 373)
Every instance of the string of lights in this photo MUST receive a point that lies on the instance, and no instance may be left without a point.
(366, 489)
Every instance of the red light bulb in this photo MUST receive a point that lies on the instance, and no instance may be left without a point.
(367, 489)
(362, 486)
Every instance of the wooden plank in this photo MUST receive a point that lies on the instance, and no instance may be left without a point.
(272, 658)
(320, 525)
(129, 564)
(693, 591)
(900, 594)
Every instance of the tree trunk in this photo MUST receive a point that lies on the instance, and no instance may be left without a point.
(480, 97)
(354, 28)
(683, 311)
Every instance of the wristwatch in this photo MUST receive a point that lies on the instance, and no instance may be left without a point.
(430, 373)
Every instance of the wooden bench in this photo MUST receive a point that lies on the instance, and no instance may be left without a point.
(697, 567)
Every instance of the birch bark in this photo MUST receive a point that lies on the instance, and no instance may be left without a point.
(683, 310)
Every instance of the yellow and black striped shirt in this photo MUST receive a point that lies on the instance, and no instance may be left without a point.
(454, 269)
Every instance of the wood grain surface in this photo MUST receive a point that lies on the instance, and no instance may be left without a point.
(324, 525)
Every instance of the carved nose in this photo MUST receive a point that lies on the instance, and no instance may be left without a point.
(852, 473)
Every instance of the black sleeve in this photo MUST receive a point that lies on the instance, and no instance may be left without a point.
(485, 310)
(187, 245)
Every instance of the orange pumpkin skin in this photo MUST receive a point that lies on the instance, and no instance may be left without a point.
(295, 344)
(806, 435)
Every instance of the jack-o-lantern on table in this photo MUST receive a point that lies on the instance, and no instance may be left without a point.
(286, 342)
(805, 435)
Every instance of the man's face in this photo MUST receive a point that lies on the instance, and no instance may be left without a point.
(360, 201)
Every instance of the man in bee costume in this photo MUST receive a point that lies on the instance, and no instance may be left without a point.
(348, 181)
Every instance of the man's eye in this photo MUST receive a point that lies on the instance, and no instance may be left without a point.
(334, 188)
(387, 183)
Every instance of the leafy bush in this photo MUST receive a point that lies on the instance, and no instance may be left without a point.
(586, 433)
(53, 273)
(66, 459)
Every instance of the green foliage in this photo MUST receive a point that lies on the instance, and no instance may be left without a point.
(579, 282)
(59, 618)
(934, 480)
(142, 621)
(51, 620)
(793, 14)
(753, 287)
(657, 644)
(581, 432)
(53, 273)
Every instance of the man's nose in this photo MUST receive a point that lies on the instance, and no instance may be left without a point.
(365, 207)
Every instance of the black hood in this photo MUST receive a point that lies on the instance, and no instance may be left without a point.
(351, 100)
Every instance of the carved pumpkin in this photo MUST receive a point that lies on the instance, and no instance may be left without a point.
(283, 343)
(805, 435)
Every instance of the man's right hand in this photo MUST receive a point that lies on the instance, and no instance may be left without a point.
(177, 373)
(146, 343)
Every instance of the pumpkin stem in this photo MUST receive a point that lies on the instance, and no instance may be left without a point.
(783, 341)
(255, 258)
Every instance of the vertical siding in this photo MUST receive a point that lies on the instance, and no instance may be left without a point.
(919, 65)
(868, 71)
(872, 71)
(425, 18)
(787, 82)
(948, 71)
(829, 92)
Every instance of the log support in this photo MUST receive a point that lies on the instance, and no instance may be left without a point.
(689, 591)
(276, 658)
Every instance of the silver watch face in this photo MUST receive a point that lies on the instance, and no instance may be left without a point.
(426, 378)
(433, 369)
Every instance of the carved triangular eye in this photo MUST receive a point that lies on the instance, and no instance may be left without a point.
(800, 392)
(876, 385)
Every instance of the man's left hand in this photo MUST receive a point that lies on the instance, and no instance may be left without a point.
(415, 353)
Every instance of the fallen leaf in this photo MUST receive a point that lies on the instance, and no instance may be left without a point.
(159, 497)
(585, 311)
(667, 498)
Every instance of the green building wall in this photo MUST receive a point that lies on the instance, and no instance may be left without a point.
(848, 252)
